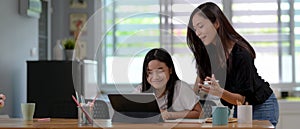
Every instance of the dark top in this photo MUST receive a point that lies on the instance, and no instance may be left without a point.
(242, 78)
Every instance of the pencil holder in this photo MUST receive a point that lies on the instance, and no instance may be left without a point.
(85, 118)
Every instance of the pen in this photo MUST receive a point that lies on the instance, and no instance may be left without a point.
(87, 115)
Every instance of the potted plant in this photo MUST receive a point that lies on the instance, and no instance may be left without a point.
(69, 45)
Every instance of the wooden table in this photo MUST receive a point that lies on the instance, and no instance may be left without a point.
(55, 123)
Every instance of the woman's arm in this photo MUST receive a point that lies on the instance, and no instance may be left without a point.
(216, 90)
(194, 113)
(233, 98)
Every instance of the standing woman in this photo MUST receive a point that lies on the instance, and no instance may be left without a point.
(221, 53)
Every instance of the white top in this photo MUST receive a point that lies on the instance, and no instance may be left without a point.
(184, 97)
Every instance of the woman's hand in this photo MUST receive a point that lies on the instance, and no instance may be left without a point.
(213, 86)
(165, 114)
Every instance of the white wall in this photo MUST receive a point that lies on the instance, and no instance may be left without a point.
(18, 35)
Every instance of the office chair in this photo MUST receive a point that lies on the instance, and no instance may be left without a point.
(207, 107)
(101, 110)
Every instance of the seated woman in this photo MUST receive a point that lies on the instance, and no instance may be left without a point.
(175, 98)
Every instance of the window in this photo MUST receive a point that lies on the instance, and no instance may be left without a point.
(295, 46)
(132, 27)
(257, 22)
(269, 26)
(43, 32)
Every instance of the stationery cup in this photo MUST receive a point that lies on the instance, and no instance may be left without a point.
(220, 115)
(244, 114)
(83, 119)
(28, 110)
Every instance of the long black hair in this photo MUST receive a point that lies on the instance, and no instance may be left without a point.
(161, 55)
(225, 31)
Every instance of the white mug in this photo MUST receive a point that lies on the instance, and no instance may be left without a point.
(244, 114)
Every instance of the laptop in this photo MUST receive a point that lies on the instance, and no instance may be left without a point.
(135, 108)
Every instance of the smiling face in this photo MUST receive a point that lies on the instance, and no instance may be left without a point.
(158, 74)
(204, 29)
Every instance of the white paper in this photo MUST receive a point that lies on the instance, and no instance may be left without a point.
(186, 121)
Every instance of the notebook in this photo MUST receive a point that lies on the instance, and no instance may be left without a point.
(135, 108)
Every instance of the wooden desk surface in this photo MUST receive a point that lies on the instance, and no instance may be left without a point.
(72, 124)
